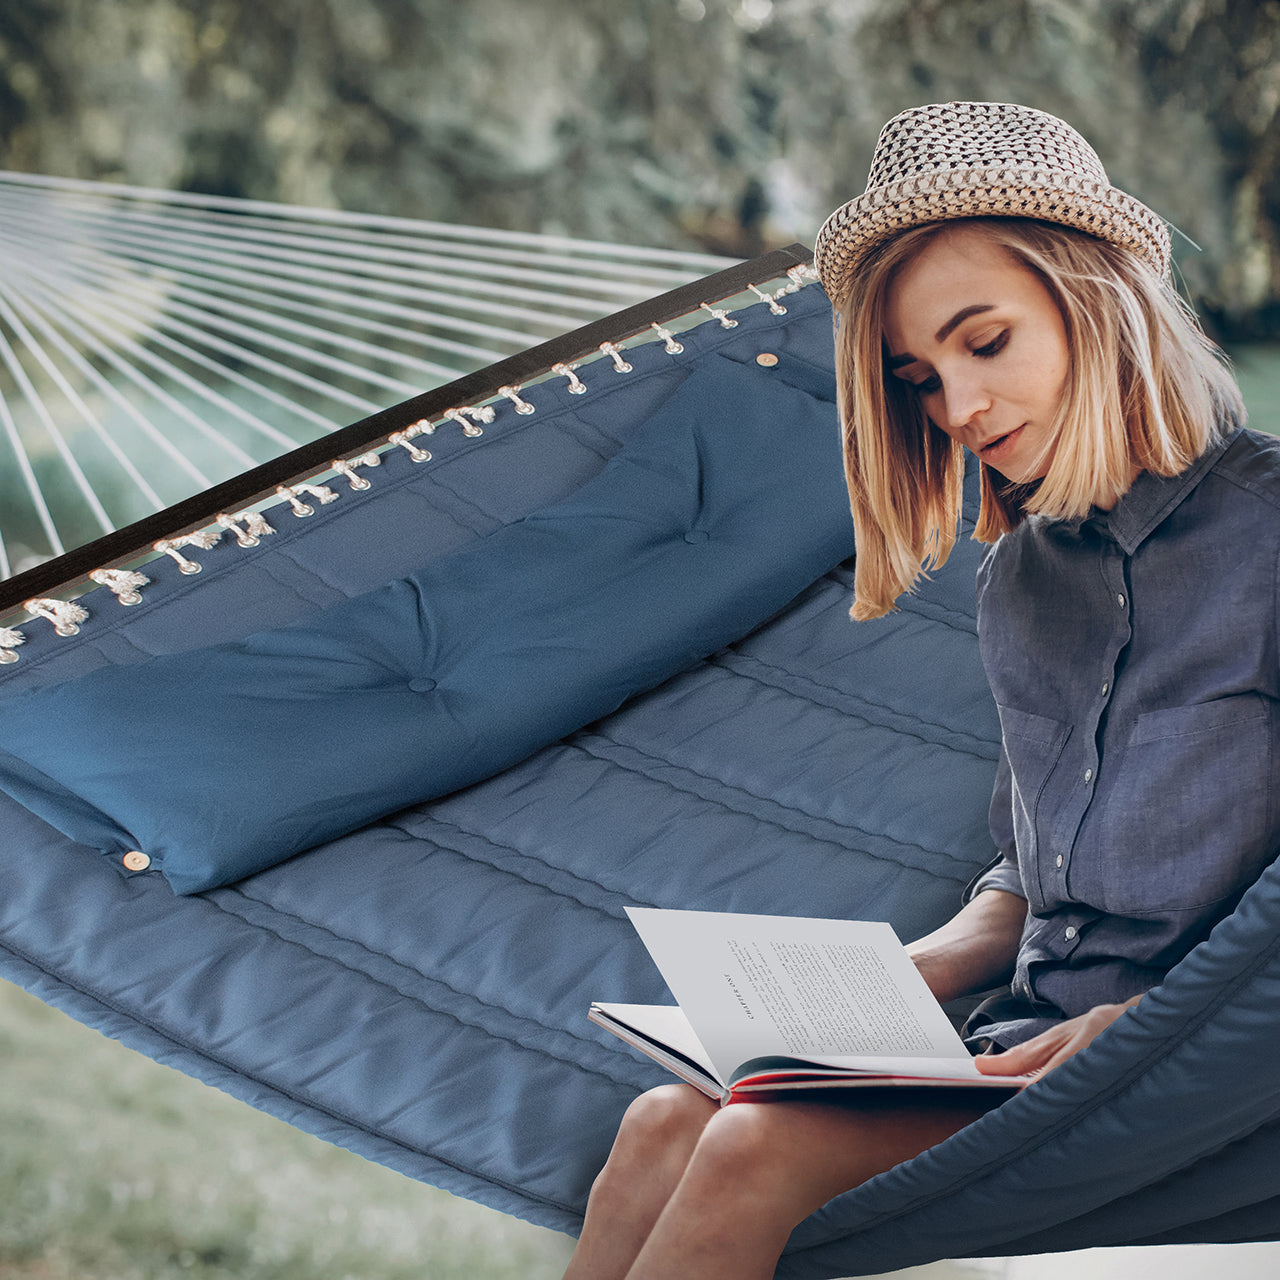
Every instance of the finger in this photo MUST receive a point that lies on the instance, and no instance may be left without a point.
(994, 1064)
(1036, 1054)
(1013, 1062)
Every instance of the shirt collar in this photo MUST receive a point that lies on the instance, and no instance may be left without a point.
(1151, 498)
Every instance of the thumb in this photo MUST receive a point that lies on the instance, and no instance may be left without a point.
(1012, 1062)
(995, 1064)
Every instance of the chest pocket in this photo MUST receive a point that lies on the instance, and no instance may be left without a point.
(1033, 745)
(1188, 821)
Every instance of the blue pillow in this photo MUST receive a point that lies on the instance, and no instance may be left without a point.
(222, 761)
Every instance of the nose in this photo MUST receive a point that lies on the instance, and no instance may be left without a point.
(964, 399)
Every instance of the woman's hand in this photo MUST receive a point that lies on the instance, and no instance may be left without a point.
(1050, 1048)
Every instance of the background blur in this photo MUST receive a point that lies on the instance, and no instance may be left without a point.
(730, 126)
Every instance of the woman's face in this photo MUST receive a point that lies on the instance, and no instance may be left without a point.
(982, 342)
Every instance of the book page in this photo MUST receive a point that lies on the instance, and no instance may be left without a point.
(666, 1025)
(837, 991)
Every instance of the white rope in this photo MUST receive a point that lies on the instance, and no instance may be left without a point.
(97, 316)
(77, 401)
(41, 410)
(103, 386)
(124, 304)
(172, 405)
(286, 292)
(29, 477)
(440, 286)
(126, 308)
(359, 264)
(154, 343)
(334, 319)
(125, 227)
(695, 263)
(293, 276)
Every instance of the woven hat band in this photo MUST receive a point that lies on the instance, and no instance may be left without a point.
(976, 160)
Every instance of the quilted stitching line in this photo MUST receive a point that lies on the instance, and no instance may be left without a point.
(511, 854)
(646, 764)
(957, 619)
(930, 610)
(202, 1051)
(217, 899)
(741, 664)
(268, 564)
(482, 520)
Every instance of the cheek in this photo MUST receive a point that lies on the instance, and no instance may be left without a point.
(1057, 363)
(1054, 380)
(1041, 376)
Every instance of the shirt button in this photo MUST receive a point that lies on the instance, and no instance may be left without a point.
(1071, 932)
(1120, 599)
(1106, 685)
(1057, 862)
(1088, 775)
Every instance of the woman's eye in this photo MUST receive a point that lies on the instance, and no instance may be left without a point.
(927, 386)
(994, 347)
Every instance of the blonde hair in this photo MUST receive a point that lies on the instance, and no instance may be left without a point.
(1137, 357)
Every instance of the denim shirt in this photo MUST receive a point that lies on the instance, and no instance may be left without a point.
(1134, 660)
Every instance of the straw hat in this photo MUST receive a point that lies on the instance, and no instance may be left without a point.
(983, 160)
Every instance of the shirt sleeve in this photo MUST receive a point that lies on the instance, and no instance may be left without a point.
(1002, 872)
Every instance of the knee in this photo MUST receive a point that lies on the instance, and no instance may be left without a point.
(739, 1140)
(742, 1181)
(657, 1136)
(667, 1119)
(747, 1147)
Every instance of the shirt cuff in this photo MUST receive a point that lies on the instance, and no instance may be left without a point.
(1000, 873)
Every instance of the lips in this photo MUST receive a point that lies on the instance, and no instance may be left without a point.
(995, 449)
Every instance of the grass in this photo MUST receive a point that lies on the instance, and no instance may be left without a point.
(115, 1168)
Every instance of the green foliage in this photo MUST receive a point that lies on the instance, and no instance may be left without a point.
(729, 124)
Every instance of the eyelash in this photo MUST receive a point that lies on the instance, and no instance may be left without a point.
(927, 386)
(994, 347)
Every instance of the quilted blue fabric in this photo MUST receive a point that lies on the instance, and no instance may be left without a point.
(688, 538)
(417, 989)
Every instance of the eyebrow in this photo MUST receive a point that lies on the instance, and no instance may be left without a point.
(898, 362)
(960, 317)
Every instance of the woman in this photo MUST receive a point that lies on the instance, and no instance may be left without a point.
(994, 293)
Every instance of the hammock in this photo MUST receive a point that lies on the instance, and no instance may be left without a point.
(336, 799)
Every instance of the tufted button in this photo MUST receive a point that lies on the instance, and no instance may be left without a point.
(422, 684)
(136, 860)
(695, 536)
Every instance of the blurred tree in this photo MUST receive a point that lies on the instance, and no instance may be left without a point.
(729, 124)
(1221, 59)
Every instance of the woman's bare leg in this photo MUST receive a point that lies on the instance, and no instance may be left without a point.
(655, 1141)
(757, 1171)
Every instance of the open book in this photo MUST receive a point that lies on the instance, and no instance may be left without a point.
(780, 1002)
